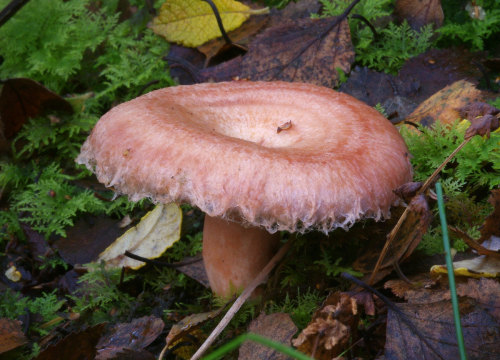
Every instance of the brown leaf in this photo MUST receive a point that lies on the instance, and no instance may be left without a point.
(22, 98)
(482, 126)
(278, 327)
(216, 50)
(195, 270)
(87, 239)
(135, 335)
(423, 290)
(477, 109)
(431, 334)
(331, 328)
(419, 12)
(485, 291)
(76, 346)
(444, 104)
(491, 226)
(407, 191)
(307, 50)
(190, 323)
(409, 236)
(11, 335)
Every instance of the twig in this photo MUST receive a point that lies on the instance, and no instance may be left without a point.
(11, 9)
(219, 22)
(397, 227)
(161, 263)
(241, 299)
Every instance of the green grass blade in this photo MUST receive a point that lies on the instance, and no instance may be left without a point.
(451, 274)
(236, 342)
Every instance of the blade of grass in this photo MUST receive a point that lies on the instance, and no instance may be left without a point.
(233, 344)
(451, 274)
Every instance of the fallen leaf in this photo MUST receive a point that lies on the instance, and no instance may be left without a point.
(21, 99)
(195, 270)
(476, 109)
(485, 291)
(408, 191)
(11, 335)
(491, 226)
(134, 336)
(87, 239)
(419, 13)
(444, 105)
(217, 51)
(482, 126)
(480, 266)
(333, 326)
(278, 327)
(189, 324)
(427, 331)
(76, 346)
(306, 50)
(158, 230)
(192, 22)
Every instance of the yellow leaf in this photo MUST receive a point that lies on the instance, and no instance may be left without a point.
(192, 22)
(480, 266)
(158, 230)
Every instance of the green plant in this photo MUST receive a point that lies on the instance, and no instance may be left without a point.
(470, 22)
(46, 306)
(99, 293)
(395, 43)
(333, 268)
(300, 308)
(476, 165)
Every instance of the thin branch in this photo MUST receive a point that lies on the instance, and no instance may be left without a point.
(161, 263)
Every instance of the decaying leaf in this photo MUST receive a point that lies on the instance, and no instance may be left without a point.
(278, 327)
(331, 329)
(427, 331)
(66, 348)
(135, 335)
(491, 226)
(409, 235)
(481, 266)
(158, 230)
(407, 191)
(445, 104)
(11, 335)
(189, 324)
(22, 98)
(477, 109)
(307, 50)
(420, 13)
(192, 22)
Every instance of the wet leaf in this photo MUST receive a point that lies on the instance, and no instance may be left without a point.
(491, 226)
(331, 329)
(76, 346)
(444, 105)
(420, 13)
(11, 335)
(158, 230)
(278, 327)
(192, 22)
(21, 99)
(427, 331)
(87, 239)
(307, 50)
(189, 324)
(134, 335)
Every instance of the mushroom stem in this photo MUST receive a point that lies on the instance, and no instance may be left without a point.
(234, 255)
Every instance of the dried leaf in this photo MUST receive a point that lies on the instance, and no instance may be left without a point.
(407, 191)
(307, 50)
(189, 324)
(11, 335)
(135, 335)
(75, 346)
(22, 98)
(192, 22)
(278, 327)
(482, 126)
(491, 226)
(158, 230)
(331, 328)
(87, 239)
(444, 104)
(431, 334)
(420, 13)
(480, 266)
(477, 109)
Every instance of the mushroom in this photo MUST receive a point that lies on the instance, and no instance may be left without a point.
(256, 158)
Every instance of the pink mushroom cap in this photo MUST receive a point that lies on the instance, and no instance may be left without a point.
(216, 146)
